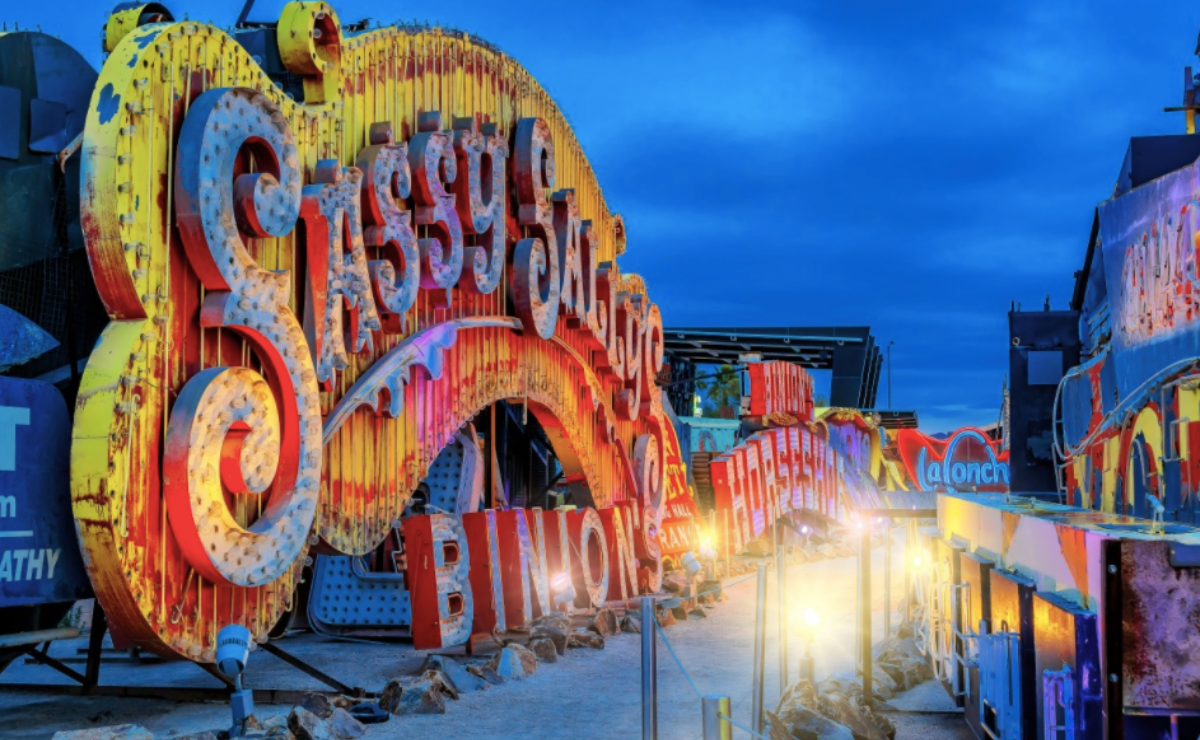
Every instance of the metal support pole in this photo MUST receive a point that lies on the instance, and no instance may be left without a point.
(887, 580)
(808, 667)
(728, 542)
(649, 671)
(95, 645)
(311, 670)
(908, 564)
(858, 570)
(864, 600)
(760, 650)
(781, 587)
(715, 726)
(489, 482)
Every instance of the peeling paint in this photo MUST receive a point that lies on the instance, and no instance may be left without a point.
(109, 104)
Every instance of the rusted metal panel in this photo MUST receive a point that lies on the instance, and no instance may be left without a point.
(1160, 628)
(977, 610)
(1012, 613)
(487, 589)
(438, 558)
(590, 569)
(622, 573)
(1066, 641)
(523, 568)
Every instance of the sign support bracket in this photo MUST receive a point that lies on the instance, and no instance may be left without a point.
(88, 682)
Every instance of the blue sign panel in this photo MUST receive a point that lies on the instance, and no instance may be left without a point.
(1148, 237)
(702, 434)
(39, 553)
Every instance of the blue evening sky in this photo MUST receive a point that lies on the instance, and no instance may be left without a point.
(912, 166)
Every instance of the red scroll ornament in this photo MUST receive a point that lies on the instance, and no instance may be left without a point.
(220, 408)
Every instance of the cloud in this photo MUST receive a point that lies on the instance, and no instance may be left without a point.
(914, 167)
(750, 78)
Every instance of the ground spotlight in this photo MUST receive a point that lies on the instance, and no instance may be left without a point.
(807, 620)
(691, 564)
(563, 588)
(708, 553)
(233, 653)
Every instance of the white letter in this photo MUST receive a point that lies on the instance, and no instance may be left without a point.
(10, 417)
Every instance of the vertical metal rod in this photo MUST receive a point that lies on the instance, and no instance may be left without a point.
(807, 666)
(781, 587)
(649, 671)
(95, 645)
(728, 542)
(858, 569)
(760, 650)
(908, 565)
(887, 580)
(715, 726)
(865, 612)
(489, 482)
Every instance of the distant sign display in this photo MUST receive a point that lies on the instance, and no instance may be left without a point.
(966, 460)
(779, 390)
(677, 534)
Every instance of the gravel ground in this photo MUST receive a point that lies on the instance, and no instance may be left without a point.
(930, 727)
(943, 721)
(587, 694)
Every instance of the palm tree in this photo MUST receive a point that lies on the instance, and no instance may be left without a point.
(724, 388)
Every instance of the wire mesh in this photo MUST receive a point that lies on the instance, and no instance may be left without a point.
(55, 290)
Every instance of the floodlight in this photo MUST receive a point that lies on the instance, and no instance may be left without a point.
(563, 589)
(233, 653)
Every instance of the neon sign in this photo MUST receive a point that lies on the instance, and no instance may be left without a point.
(967, 460)
(793, 465)
(309, 301)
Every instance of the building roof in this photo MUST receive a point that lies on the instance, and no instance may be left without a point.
(811, 347)
(850, 352)
(895, 419)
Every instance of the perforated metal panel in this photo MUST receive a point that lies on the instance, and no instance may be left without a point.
(347, 599)
(444, 478)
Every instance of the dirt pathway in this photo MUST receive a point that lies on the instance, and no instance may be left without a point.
(587, 694)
